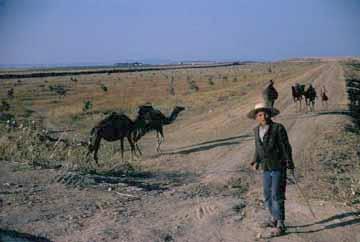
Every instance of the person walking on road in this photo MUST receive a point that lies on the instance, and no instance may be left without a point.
(270, 94)
(273, 153)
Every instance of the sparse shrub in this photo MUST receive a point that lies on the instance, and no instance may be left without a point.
(104, 88)
(239, 186)
(193, 86)
(210, 81)
(171, 86)
(10, 93)
(5, 106)
(87, 106)
(27, 145)
(58, 89)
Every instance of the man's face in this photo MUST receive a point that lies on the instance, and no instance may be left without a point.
(260, 118)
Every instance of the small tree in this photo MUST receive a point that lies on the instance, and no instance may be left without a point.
(193, 86)
(211, 82)
(10, 93)
(87, 106)
(104, 88)
(58, 89)
(5, 106)
(171, 86)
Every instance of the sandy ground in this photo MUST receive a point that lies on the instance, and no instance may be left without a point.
(201, 190)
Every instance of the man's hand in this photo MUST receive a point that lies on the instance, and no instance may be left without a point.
(254, 165)
(292, 172)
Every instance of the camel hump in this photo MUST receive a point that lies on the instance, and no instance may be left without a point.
(144, 109)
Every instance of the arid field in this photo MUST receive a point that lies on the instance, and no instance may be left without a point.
(200, 187)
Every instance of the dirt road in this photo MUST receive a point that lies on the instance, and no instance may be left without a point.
(202, 188)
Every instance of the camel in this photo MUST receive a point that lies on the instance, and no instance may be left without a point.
(298, 92)
(155, 120)
(324, 97)
(310, 95)
(270, 94)
(117, 126)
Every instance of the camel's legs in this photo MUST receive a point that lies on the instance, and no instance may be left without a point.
(138, 149)
(160, 139)
(132, 147)
(298, 105)
(314, 106)
(122, 148)
(96, 149)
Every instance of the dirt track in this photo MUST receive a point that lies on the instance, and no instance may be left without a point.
(193, 195)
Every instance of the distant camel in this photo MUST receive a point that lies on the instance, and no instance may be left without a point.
(298, 92)
(324, 97)
(155, 120)
(10, 93)
(117, 126)
(270, 94)
(310, 95)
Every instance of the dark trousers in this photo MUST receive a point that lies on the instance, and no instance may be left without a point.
(274, 183)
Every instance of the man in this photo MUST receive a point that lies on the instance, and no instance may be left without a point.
(273, 153)
(310, 96)
(270, 94)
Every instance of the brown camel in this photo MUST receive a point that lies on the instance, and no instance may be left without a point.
(310, 96)
(155, 120)
(298, 93)
(117, 126)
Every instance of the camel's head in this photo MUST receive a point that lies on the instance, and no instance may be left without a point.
(178, 109)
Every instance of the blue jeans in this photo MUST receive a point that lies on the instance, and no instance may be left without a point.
(274, 183)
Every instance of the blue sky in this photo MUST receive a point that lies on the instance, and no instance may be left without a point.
(107, 31)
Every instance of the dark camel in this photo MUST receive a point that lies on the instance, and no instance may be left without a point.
(155, 120)
(298, 93)
(310, 96)
(117, 126)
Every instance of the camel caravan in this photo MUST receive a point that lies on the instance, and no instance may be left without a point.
(299, 93)
(118, 126)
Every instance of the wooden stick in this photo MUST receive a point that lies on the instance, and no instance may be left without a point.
(127, 195)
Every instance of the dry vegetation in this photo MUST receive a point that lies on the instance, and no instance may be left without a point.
(332, 162)
(201, 187)
(67, 103)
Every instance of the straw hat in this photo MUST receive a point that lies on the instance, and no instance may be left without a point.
(262, 107)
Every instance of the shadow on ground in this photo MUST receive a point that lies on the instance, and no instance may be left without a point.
(211, 144)
(352, 221)
(14, 236)
(145, 180)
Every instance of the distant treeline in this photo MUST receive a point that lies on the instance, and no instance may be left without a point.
(109, 71)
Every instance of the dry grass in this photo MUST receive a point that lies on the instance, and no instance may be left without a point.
(125, 91)
(332, 162)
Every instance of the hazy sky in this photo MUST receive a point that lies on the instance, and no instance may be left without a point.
(107, 31)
